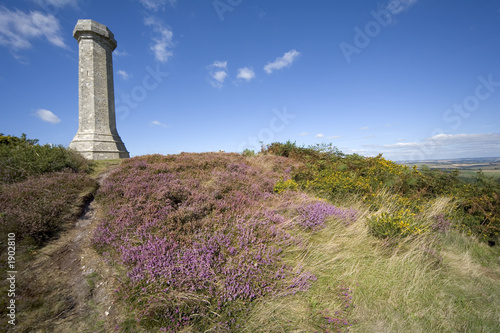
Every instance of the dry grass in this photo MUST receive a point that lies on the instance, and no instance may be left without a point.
(446, 283)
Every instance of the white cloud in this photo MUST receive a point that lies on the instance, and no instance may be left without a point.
(219, 64)
(319, 136)
(285, 61)
(157, 4)
(124, 75)
(47, 116)
(364, 128)
(303, 133)
(163, 43)
(120, 53)
(17, 29)
(158, 123)
(218, 73)
(219, 76)
(246, 73)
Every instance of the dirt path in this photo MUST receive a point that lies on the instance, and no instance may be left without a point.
(72, 282)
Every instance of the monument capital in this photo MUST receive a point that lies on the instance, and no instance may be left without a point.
(90, 29)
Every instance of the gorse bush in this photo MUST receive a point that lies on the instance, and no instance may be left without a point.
(333, 175)
(400, 223)
(283, 185)
(21, 158)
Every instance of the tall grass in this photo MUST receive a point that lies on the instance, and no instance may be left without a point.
(444, 282)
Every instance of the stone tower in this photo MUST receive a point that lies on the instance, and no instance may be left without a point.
(97, 137)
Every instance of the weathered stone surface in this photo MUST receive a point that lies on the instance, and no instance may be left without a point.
(97, 137)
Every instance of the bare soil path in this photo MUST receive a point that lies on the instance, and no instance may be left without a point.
(72, 283)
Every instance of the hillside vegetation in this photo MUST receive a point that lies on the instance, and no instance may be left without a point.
(299, 239)
(43, 190)
(292, 239)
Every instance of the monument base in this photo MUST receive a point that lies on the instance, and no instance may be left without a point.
(99, 146)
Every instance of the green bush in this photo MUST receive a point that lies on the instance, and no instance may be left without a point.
(21, 158)
(330, 173)
(402, 223)
(248, 153)
(283, 185)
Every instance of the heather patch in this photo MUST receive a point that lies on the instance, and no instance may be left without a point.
(313, 216)
(39, 207)
(199, 237)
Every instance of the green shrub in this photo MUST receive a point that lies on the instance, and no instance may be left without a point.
(248, 153)
(329, 173)
(283, 185)
(402, 223)
(21, 158)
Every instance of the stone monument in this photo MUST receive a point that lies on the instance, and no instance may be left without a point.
(97, 137)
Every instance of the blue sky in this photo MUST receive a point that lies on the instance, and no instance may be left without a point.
(412, 79)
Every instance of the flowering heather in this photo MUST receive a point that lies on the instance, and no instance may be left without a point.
(39, 206)
(198, 236)
(441, 223)
(312, 216)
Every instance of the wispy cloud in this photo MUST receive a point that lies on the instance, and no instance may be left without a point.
(303, 133)
(47, 116)
(364, 128)
(120, 53)
(57, 3)
(124, 75)
(285, 61)
(158, 123)
(163, 42)
(217, 72)
(18, 29)
(319, 136)
(156, 5)
(245, 73)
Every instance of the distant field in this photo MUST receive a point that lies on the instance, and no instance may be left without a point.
(468, 167)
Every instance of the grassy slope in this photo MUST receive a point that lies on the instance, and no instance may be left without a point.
(446, 282)
(402, 289)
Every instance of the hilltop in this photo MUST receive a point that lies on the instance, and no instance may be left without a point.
(290, 239)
